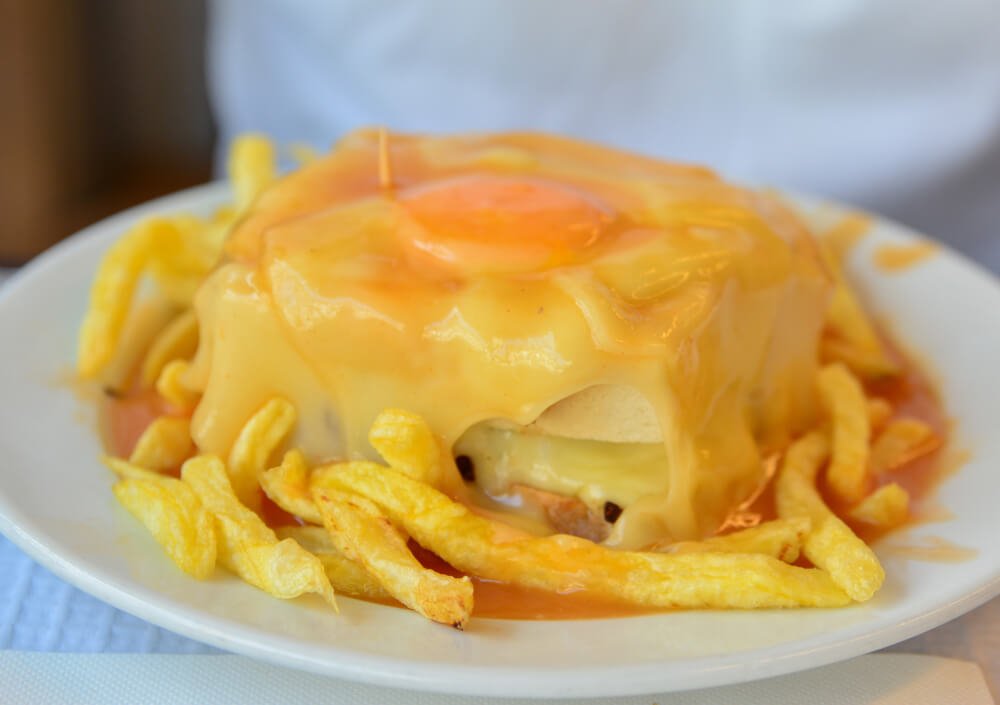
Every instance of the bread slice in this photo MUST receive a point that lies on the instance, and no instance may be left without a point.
(614, 413)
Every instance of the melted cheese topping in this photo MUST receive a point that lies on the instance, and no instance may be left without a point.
(500, 275)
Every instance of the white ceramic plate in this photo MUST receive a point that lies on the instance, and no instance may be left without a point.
(56, 504)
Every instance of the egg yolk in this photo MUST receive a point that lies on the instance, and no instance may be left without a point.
(502, 223)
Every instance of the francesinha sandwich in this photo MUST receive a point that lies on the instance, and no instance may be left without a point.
(567, 318)
(506, 348)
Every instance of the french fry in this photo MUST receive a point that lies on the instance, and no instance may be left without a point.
(867, 364)
(830, 544)
(128, 470)
(258, 440)
(288, 486)
(170, 385)
(362, 533)
(780, 538)
(217, 228)
(346, 576)
(406, 443)
(902, 440)
(111, 298)
(177, 341)
(885, 508)
(854, 341)
(562, 563)
(314, 539)
(879, 413)
(247, 546)
(251, 168)
(142, 326)
(186, 252)
(845, 404)
(177, 251)
(164, 445)
(171, 512)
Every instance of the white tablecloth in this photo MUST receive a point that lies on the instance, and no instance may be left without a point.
(39, 612)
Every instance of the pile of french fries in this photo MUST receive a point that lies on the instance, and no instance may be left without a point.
(358, 519)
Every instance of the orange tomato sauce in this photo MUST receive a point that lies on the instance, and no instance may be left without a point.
(896, 258)
(912, 395)
(125, 415)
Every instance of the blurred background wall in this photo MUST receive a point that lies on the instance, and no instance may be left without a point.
(102, 105)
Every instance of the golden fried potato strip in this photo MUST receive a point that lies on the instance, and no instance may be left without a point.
(864, 363)
(258, 440)
(362, 532)
(177, 251)
(845, 404)
(177, 341)
(172, 513)
(187, 252)
(164, 445)
(252, 168)
(287, 485)
(564, 563)
(780, 538)
(143, 323)
(854, 341)
(128, 470)
(220, 224)
(247, 546)
(830, 543)
(886, 508)
(346, 576)
(111, 297)
(900, 442)
(170, 385)
(406, 443)
(879, 413)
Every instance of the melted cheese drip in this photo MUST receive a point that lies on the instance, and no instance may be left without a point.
(565, 266)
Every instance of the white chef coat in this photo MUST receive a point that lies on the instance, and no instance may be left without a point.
(893, 105)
